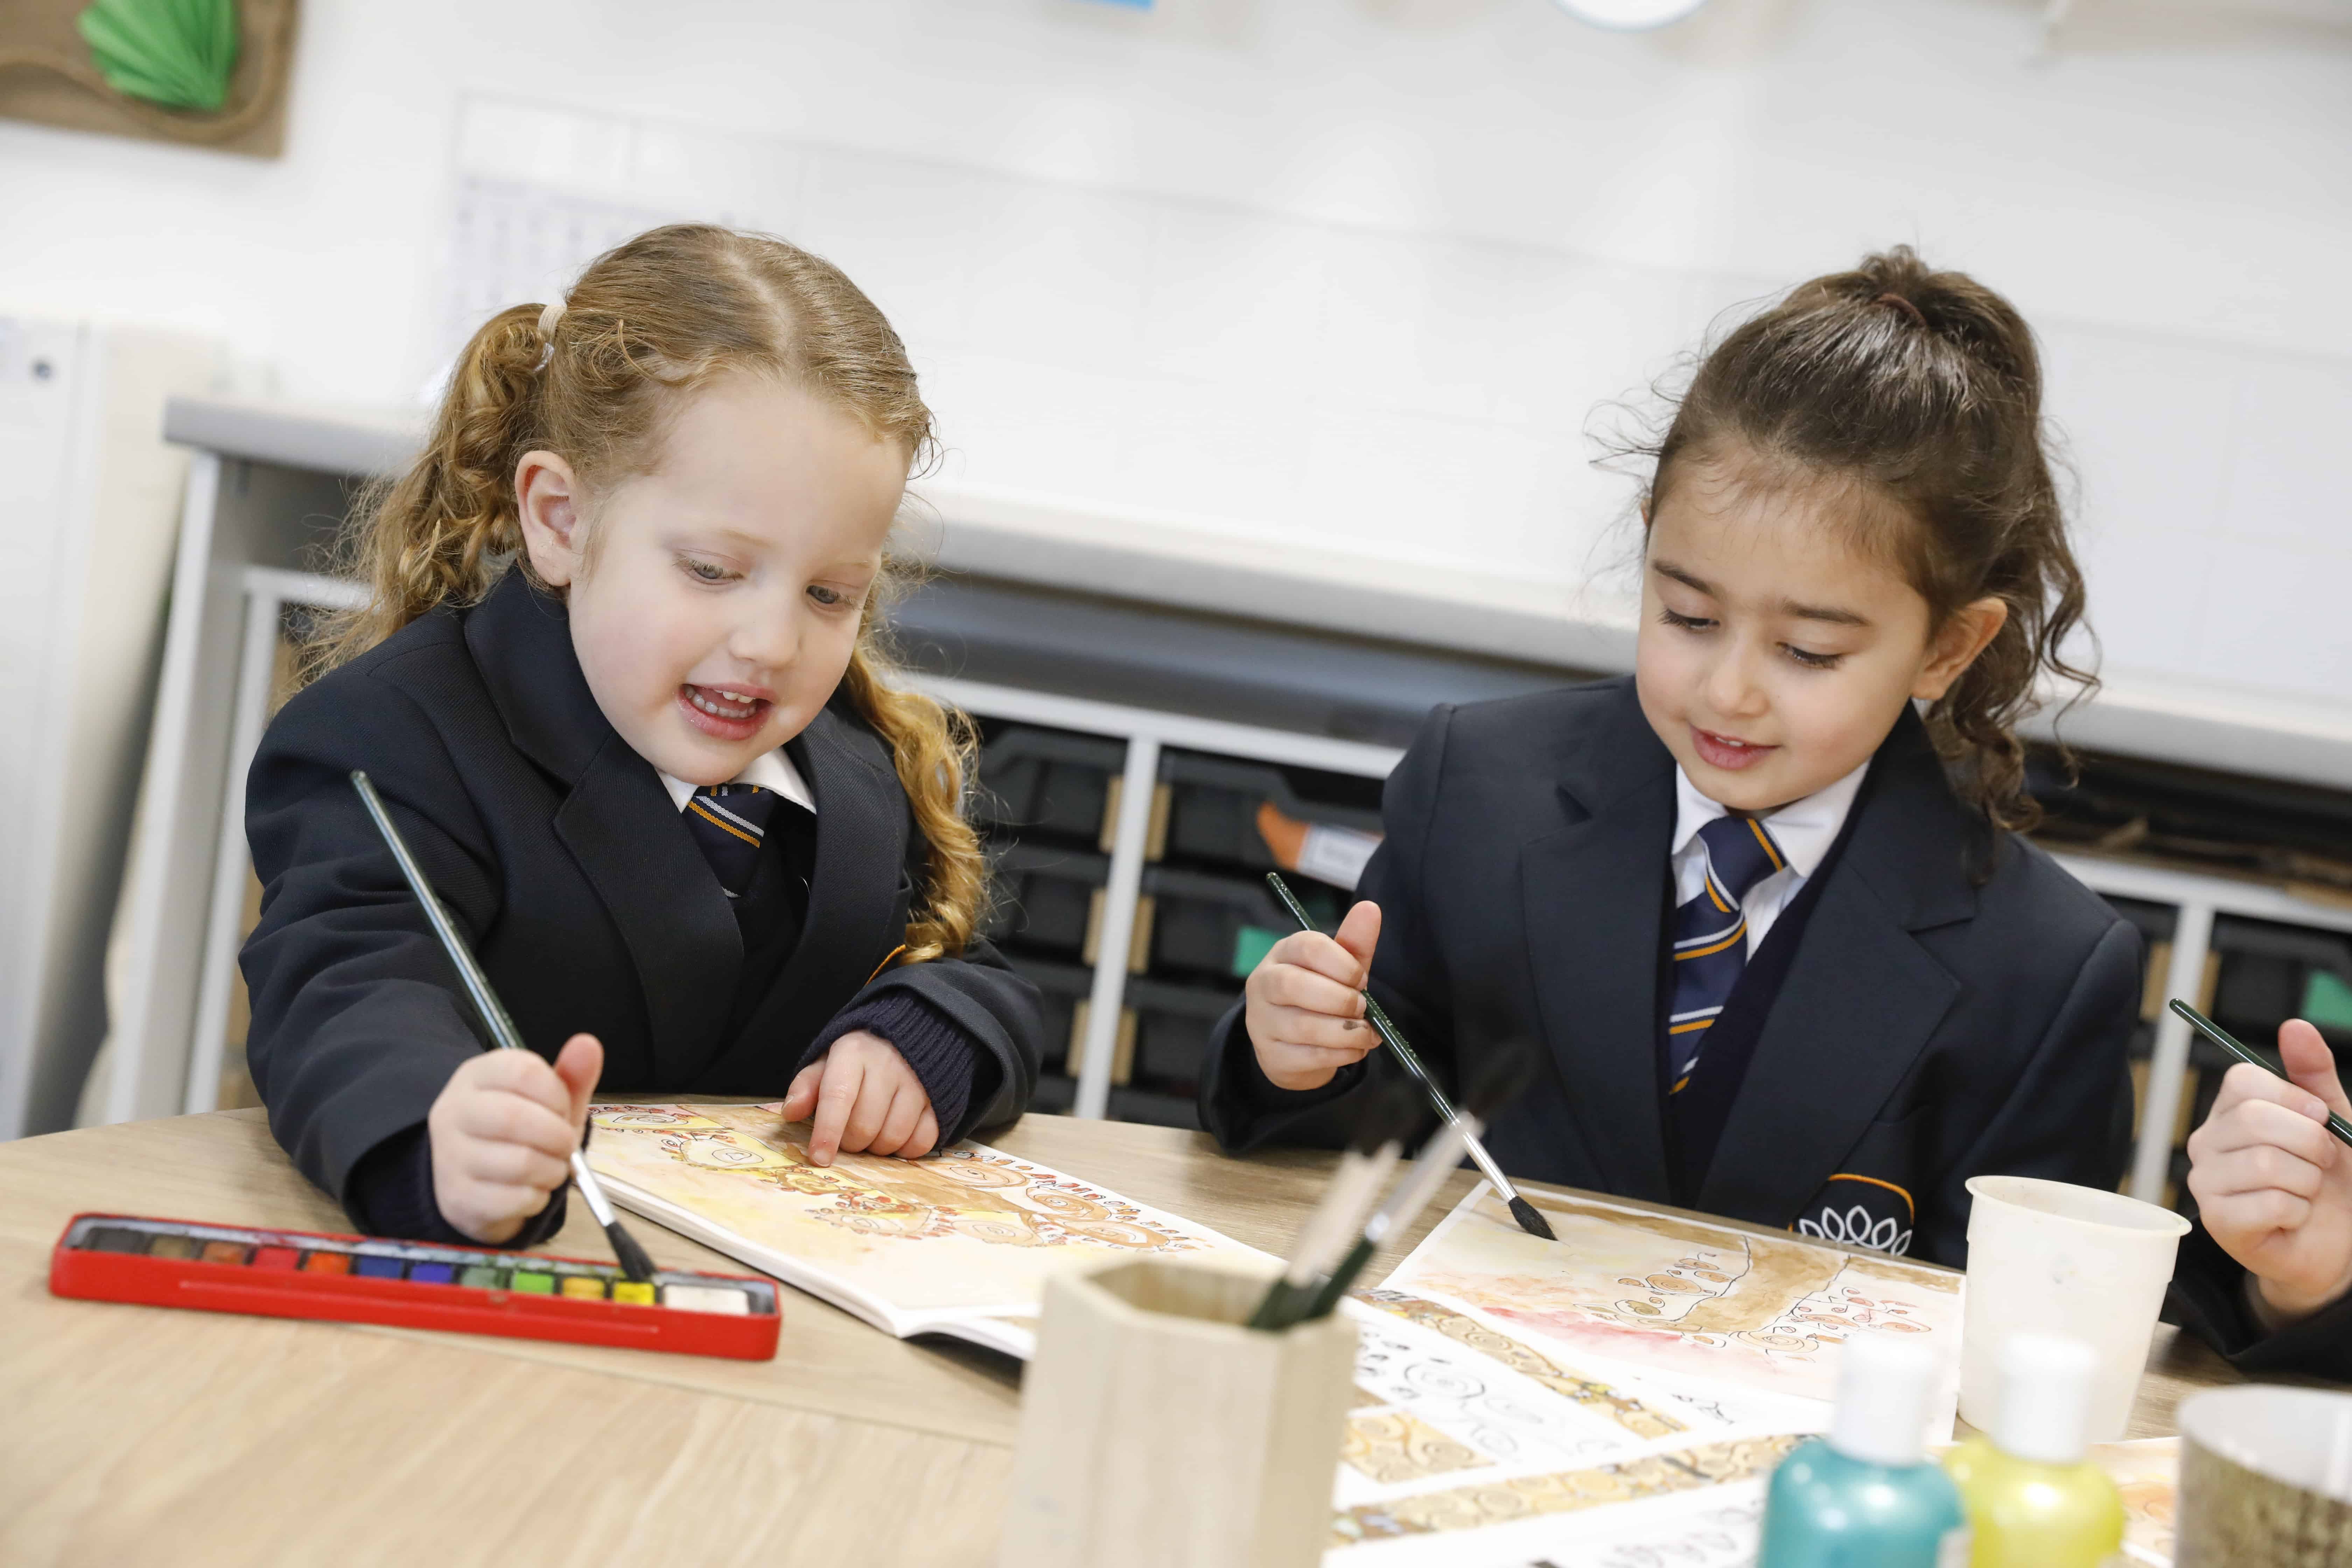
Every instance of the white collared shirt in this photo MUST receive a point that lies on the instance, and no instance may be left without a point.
(1804, 829)
(769, 769)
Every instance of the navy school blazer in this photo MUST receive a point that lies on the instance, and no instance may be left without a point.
(565, 862)
(1930, 1026)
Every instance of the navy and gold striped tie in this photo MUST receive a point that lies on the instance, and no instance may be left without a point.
(1711, 937)
(728, 822)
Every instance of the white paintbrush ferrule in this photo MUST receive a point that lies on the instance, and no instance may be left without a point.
(1486, 1167)
(591, 1188)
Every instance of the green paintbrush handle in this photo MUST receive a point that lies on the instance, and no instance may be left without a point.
(1327, 1295)
(1379, 1019)
(2230, 1043)
(1278, 1308)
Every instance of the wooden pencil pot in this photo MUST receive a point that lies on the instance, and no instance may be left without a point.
(1158, 1432)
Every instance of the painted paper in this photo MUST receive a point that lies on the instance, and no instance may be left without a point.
(954, 1242)
(1703, 1304)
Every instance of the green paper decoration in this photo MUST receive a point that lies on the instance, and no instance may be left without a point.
(177, 53)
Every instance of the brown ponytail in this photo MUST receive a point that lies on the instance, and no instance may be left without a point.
(1926, 387)
(648, 322)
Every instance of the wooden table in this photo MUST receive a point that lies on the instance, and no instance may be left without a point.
(134, 1434)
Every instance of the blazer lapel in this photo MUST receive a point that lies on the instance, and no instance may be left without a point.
(861, 847)
(1861, 996)
(1594, 893)
(618, 821)
(622, 828)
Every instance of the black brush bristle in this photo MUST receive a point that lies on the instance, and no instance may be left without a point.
(631, 1255)
(1531, 1221)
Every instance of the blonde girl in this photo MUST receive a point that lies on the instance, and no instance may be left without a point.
(618, 676)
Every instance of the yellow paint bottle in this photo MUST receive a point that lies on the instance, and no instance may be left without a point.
(2033, 1500)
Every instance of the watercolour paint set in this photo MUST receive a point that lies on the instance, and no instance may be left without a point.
(417, 1285)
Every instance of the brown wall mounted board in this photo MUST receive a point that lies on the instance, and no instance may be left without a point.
(46, 77)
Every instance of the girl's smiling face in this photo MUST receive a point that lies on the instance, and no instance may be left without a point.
(715, 600)
(1775, 653)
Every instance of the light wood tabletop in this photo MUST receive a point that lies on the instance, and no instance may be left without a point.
(138, 1434)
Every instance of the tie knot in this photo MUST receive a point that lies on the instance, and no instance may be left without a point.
(745, 805)
(727, 821)
(1739, 854)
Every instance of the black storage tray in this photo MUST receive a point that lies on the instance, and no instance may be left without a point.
(1213, 806)
(1047, 782)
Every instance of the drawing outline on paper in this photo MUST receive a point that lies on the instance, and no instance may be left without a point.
(1673, 1295)
(977, 1193)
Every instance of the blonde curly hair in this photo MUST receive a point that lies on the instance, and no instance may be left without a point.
(649, 323)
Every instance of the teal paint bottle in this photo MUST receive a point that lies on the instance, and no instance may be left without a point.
(1866, 1495)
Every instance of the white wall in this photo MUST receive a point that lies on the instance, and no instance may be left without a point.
(1350, 275)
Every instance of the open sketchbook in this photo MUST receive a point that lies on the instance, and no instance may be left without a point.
(957, 1243)
(1617, 1398)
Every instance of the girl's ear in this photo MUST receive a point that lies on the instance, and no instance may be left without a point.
(548, 501)
(1967, 632)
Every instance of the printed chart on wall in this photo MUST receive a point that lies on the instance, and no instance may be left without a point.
(1613, 1399)
(958, 1244)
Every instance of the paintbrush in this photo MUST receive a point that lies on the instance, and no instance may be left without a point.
(1364, 1169)
(1505, 1076)
(1437, 1162)
(625, 1249)
(2244, 1052)
(1522, 1211)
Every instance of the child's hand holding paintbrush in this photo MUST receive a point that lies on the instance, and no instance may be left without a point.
(1305, 1002)
(1304, 1010)
(2271, 1178)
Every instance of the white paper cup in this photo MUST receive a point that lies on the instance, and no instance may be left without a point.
(2050, 1259)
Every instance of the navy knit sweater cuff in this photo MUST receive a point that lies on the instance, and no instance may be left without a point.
(945, 1058)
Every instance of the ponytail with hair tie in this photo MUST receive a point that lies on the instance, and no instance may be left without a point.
(1948, 426)
(650, 321)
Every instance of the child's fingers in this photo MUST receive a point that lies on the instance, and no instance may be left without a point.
(877, 1092)
(836, 1097)
(578, 1065)
(1298, 1061)
(503, 1207)
(2259, 1167)
(2246, 1082)
(800, 1096)
(1359, 933)
(2312, 1065)
(1297, 1026)
(926, 1136)
(523, 1073)
(514, 1165)
(907, 1108)
(1290, 986)
(1314, 950)
(2255, 1105)
(2243, 1217)
(2251, 1123)
(502, 1116)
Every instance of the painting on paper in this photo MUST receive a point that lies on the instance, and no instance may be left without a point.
(970, 1229)
(1675, 1296)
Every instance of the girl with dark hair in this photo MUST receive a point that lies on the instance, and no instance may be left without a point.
(1763, 902)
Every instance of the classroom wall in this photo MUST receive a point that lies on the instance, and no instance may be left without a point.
(1351, 274)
